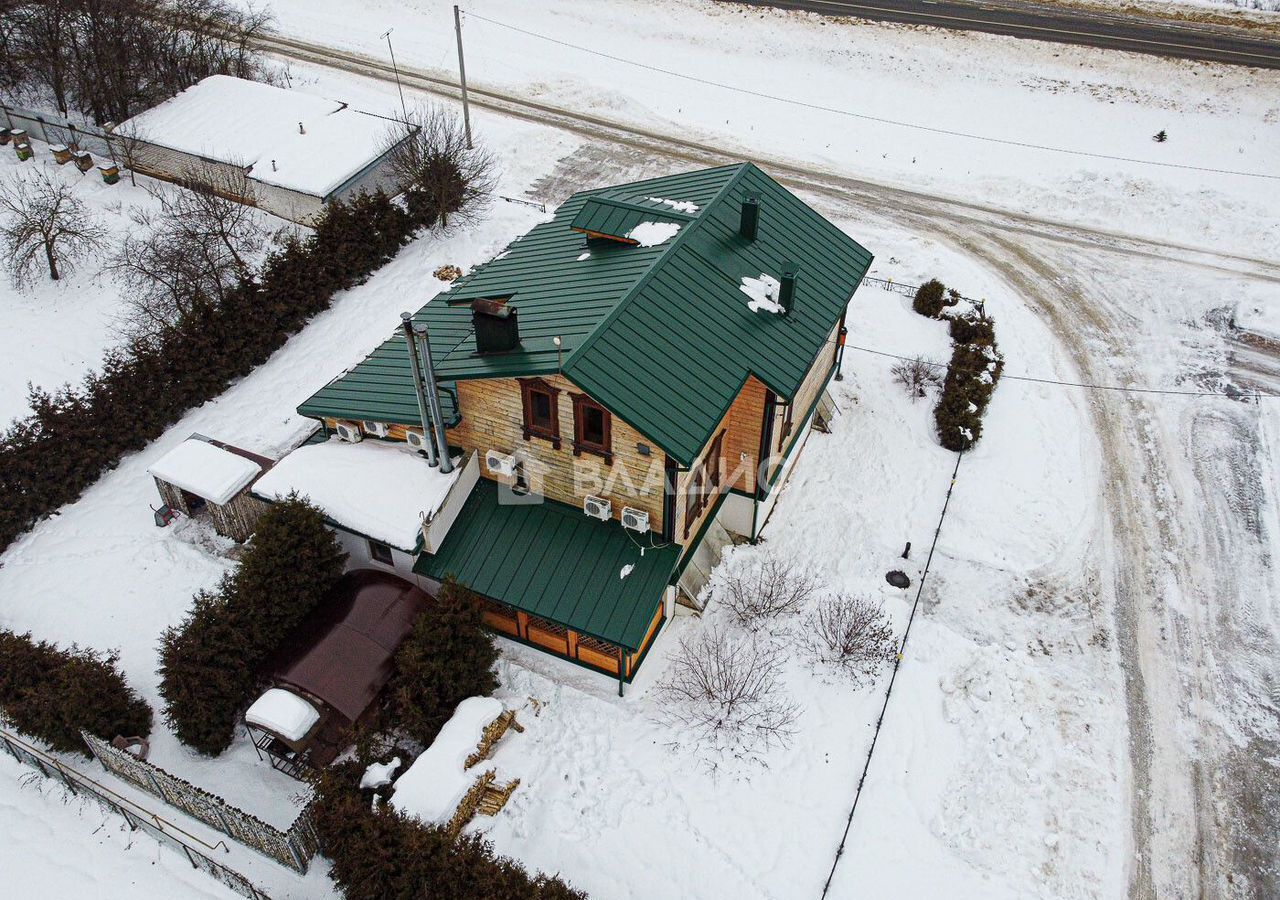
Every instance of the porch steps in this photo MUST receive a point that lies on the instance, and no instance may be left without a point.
(706, 556)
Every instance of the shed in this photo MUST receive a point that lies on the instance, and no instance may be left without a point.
(202, 474)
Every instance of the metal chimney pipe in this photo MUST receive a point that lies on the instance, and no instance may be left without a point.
(406, 325)
(433, 396)
(787, 290)
(749, 222)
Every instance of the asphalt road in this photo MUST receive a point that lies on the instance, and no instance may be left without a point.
(1060, 24)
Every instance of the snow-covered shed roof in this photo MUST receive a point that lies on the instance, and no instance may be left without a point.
(207, 471)
(379, 489)
(283, 713)
(435, 784)
(248, 123)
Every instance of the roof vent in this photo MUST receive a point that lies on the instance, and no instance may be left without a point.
(787, 291)
(750, 221)
(497, 326)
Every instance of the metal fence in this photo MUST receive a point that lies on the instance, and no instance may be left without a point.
(909, 290)
(136, 817)
(53, 128)
(293, 848)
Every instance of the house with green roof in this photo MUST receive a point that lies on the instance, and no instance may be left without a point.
(623, 387)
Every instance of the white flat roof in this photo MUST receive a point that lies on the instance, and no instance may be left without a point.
(380, 489)
(207, 471)
(283, 713)
(248, 123)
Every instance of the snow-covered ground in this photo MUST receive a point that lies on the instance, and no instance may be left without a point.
(1084, 700)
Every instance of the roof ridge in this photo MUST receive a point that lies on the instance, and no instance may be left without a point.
(625, 300)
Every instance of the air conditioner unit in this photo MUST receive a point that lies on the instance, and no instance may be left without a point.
(349, 432)
(416, 439)
(635, 519)
(500, 463)
(597, 508)
(377, 429)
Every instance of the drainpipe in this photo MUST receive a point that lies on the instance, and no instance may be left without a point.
(433, 396)
(406, 324)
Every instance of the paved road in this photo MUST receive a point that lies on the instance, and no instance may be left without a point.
(1060, 24)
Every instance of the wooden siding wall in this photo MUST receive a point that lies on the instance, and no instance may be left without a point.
(493, 419)
(805, 397)
(566, 642)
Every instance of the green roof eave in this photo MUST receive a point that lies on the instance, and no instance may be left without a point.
(552, 561)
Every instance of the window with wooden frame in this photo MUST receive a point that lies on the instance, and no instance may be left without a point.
(541, 410)
(592, 428)
(695, 498)
(381, 553)
(785, 430)
(715, 459)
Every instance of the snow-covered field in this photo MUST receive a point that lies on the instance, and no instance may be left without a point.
(1091, 536)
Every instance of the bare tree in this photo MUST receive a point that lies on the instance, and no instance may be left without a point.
(727, 693)
(192, 250)
(850, 635)
(766, 588)
(918, 375)
(127, 146)
(44, 222)
(441, 177)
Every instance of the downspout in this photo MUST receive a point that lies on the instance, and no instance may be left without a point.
(622, 672)
(766, 442)
(841, 334)
(406, 325)
(433, 397)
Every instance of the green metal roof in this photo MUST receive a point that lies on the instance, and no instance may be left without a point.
(550, 560)
(660, 335)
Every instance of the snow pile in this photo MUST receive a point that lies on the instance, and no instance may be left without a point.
(435, 784)
(763, 292)
(379, 489)
(379, 774)
(283, 713)
(207, 471)
(684, 206)
(651, 234)
(626, 570)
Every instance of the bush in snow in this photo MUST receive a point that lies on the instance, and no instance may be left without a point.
(850, 635)
(378, 852)
(917, 376)
(766, 588)
(441, 172)
(930, 298)
(53, 694)
(74, 435)
(727, 692)
(971, 379)
(447, 658)
(209, 662)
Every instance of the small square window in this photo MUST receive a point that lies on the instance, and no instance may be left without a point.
(381, 553)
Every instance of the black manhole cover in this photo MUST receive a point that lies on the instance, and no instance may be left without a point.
(898, 579)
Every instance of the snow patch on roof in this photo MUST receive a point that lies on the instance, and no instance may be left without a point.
(763, 292)
(207, 471)
(684, 206)
(283, 713)
(435, 784)
(651, 234)
(379, 489)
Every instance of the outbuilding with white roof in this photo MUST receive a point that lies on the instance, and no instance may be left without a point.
(203, 475)
(295, 150)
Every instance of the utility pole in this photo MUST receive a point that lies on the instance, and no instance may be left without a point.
(462, 74)
(404, 110)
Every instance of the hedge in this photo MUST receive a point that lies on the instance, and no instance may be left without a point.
(971, 379)
(209, 663)
(53, 694)
(75, 434)
(447, 658)
(380, 853)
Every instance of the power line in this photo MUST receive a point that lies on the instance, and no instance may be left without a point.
(870, 118)
(1078, 384)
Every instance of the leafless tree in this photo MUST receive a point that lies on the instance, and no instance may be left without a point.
(127, 146)
(442, 179)
(765, 589)
(918, 375)
(44, 222)
(727, 693)
(192, 250)
(849, 634)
